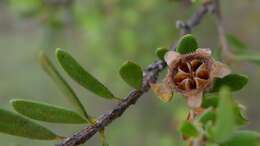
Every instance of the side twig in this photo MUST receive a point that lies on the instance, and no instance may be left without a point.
(150, 75)
(186, 27)
(227, 55)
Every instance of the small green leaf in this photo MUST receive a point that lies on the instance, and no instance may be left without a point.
(132, 74)
(46, 112)
(50, 69)
(17, 125)
(225, 122)
(208, 115)
(210, 101)
(160, 52)
(236, 43)
(188, 129)
(187, 44)
(234, 81)
(243, 138)
(80, 75)
(241, 118)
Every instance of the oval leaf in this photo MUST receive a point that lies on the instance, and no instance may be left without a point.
(132, 74)
(234, 81)
(76, 72)
(210, 101)
(17, 125)
(160, 52)
(188, 129)
(226, 121)
(208, 115)
(187, 44)
(50, 69)
(241, 118)
(46, 112)
(243, 138)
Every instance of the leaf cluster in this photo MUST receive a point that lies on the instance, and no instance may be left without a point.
(22, 125)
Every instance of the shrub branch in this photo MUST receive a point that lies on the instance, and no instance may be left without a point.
(150, 75)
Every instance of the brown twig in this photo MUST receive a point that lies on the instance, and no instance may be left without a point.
(186, 27)
(227, 54)
(150, 75)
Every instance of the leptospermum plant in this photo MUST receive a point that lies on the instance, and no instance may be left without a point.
(215, 118)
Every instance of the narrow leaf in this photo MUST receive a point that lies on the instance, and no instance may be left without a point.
(46, 112)
(234, 81)
(50, 69)
(243, 138)
(236, 43)
(225, 123)
(132, 74)
(160, 52)
(187, 44)
(17, 125)
(188, 129)
(251, 57)
(80, 75)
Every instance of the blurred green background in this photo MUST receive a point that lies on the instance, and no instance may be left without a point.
(102, 34)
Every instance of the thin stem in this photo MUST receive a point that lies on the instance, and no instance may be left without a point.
(227, 54)
(103, 137)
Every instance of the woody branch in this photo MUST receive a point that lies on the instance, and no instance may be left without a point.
(150, 75)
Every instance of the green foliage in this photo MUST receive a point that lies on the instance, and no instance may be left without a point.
(132, 74)
(160, 52)
(243, 138)
(14, 124)
(208, 115)
(236, 43)
(188, 129)
(240, 49)
(234, 81)
(50, 69)
(241, 118)
(251, 57)
(26, 8)
(98, 30)
(46, 112)
(225, 122)
(187, 44)
(212, 144)
(210, 101)
(73, 68)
